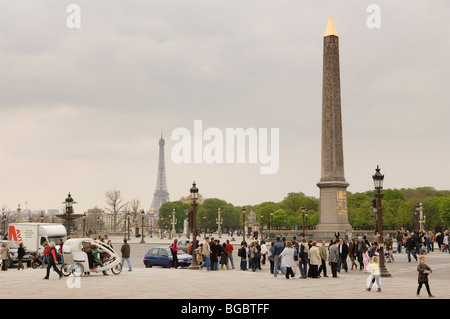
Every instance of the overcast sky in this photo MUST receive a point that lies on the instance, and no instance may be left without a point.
(82, 109)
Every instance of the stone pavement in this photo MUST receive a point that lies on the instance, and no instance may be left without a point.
(179, 284)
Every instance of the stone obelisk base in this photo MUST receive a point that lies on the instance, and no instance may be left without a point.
(333, 211)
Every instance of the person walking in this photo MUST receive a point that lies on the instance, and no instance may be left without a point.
(206, 255)
(253, 256)
(4, 254)
(410, 248)
(323, 256)
(52, 262)
(399, 239)
(287, 259)
(423, 271)
(359, 251)
(126, 252)
(333, 258)
(374, 268)
(199, 254)
(264, 252)
(278, 247)
(45, 254)
(174, 251)
(314, 260)
(303, 258)
(389, 244)
(343, 254)
(20, 254)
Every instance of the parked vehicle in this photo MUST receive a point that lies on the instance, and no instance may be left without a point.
(36, 260)
(13, 246)
(162, 256)
(183, 245)
(33, 235)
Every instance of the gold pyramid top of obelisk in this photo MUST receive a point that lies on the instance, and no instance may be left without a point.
(331, 28)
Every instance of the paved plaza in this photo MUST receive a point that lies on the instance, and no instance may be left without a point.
(161, 283)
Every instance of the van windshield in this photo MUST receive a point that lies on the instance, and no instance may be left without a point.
(56, 239)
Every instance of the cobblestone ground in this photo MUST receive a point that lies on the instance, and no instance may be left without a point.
(160, 283)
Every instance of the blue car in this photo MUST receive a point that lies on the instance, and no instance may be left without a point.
(162, 256)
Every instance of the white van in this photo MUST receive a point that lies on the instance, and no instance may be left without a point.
(33, 235)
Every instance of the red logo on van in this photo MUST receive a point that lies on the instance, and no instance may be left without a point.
(14, 234)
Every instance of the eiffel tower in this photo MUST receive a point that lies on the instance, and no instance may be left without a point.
(161, 194)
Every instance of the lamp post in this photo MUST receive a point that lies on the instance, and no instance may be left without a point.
(142, 218)
(204, 224)
(378, 182)
(19, 218)
(194, 197)
(305, 214)
(421, 218)
(3, 221)
(219, 221)
(84, 224)
(174, 222)
(69, 211)
(243, 224)
(416, 217)
(151, 223)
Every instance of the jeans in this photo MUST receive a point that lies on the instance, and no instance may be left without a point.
(399, 247)
(342, 260)
(128, 261)
(303, 266)
(409, 252)
(377, 279)
(55, 268)
(230, 257)
(276, 265)
(206, 262)
(243, 264)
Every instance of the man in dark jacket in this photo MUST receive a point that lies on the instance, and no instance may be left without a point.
(343, 254)
(410, 248)
(359, 250)
(126, 252)
(20, 254)
(276, 251)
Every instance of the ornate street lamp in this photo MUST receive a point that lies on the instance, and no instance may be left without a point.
(305, 214)
(151, 223)
(84, 224)
(378, 182)
(194, 197)
(142, 236)
(174, 222)
(69, 211)
(219, 221)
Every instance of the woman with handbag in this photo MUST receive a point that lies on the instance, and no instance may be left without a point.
(287, 259)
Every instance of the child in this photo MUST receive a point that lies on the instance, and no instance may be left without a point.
(366, 259)
(375, 273)
(423, 271)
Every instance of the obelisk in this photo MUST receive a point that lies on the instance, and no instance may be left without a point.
(333, 186)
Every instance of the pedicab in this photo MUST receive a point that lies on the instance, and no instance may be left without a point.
(79, 258)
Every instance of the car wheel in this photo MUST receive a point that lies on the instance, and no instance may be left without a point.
(147, 264)
(117, 269)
